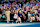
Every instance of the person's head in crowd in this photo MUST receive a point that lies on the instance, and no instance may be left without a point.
(7, 9)
(37, 13)
(36, 16)
(0, 9)
(20, 11)
(32, 16)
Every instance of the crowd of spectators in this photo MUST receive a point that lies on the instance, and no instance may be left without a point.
(27, 11)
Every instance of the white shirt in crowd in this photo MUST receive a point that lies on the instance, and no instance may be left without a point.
(33, 18)
(29, 15)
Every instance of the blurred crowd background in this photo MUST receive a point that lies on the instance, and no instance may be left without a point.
(27, 10)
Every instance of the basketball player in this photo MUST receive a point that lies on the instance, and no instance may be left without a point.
(18, 19)
(8, 15)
